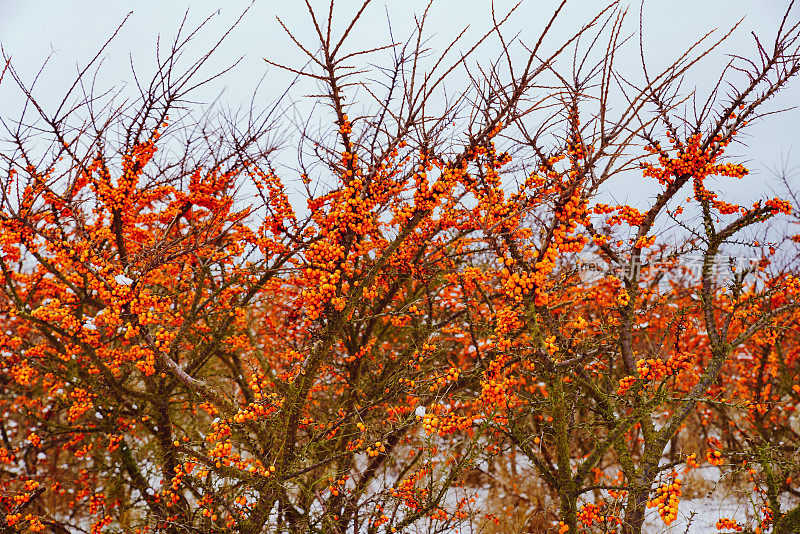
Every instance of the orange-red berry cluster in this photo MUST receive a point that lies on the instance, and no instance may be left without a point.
(668, 497)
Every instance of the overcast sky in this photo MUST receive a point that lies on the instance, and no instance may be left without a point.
(72, 31)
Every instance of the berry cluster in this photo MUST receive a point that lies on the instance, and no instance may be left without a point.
(667, 499)
(730, 524)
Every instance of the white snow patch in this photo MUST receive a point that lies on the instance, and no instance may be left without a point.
(123, 280)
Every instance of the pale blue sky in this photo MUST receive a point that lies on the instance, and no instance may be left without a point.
(74, 30)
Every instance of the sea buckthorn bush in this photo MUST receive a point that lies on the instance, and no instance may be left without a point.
(397, 334)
